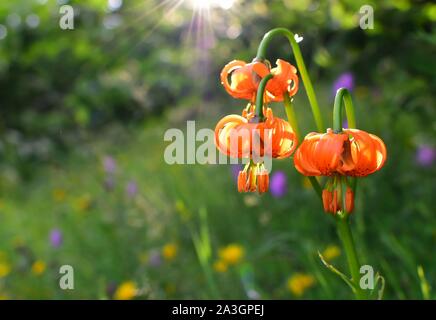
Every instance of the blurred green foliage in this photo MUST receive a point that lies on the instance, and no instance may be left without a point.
(114, 84)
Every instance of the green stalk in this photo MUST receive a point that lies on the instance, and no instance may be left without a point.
(346, 237)
(342, 98)
(261, 55)
(259, 96)
(290, 112)
(316, 186)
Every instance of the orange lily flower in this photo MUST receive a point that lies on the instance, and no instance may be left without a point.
(245, 78)
(253, 177)
(245, 137)
(285, 81)
(331, 200)
(353, 153)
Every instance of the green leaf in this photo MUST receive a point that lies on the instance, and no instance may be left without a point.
(380, 292)
(337, 272)
(425, 287)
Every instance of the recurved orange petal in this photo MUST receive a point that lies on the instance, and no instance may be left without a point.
(244, 78)
(284, 139)
(223, 131)
(304, 156)
(262, 182)
(367, 151)
(285, 81)
(327, 153)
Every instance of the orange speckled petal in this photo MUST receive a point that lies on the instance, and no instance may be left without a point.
(241, 86)
(328, 152)
(223, 131)
(304, 155)
(262, 182)
(228, 69)
(380, 151)
(369, 152)
(285, 80)
(286, 142)
(260, 69)
(244, 78)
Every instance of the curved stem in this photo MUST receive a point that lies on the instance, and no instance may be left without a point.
(290, 113)
(261, 55)
(289, 108)
(350, 250)
(343, 97)
(316, 186)
(260, 94)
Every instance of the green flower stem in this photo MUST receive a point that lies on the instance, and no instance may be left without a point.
(290, 112)
(350, 250)
(342, 98)
(261, 55)
(259, 96)
(316, 186)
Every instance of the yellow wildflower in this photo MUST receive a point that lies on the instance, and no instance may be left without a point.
(4, 296)
(220, 266)
(38, 267)
(169, 251)
(58, 195)
(231, 254)
(331, 252)
(83, 203)
(170, 288)
(126, 291)
(299, 283)
(5, 269)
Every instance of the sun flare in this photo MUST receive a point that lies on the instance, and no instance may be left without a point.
(206, 4)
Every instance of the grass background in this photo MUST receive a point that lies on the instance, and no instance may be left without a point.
(60, 122)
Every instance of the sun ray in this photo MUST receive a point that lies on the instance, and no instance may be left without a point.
(174, 6)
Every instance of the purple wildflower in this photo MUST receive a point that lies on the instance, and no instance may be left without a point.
(278, 184)
(345, 124)
(345, 80)
(425, 155)
(154, 260)
(56, 238)
(109, 164)
(131, 189)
